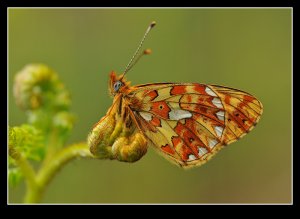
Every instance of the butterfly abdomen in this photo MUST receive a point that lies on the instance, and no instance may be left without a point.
(115, 136)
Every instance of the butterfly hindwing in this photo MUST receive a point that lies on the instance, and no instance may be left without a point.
(189, 123)
(243, 111)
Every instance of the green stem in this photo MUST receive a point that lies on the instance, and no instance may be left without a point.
(52, 146)
(48, 171)
(25, 168)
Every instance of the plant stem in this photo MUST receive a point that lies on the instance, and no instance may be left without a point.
(52, 146)
(26, 169)
(47, 172)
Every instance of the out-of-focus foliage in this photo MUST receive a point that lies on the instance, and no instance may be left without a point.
(43, 97)
(29, 142)
(39, 92)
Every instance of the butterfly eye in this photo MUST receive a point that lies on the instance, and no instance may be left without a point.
(117, 85)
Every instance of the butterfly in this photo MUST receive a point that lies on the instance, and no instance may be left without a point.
(187, 123)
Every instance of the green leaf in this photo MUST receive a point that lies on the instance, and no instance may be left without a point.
(28, 140)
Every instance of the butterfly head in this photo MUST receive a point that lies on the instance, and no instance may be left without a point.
(118, 84)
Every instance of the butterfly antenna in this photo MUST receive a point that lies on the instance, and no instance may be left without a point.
(130, 64)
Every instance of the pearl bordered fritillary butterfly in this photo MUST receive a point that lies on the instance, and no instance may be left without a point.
(187, 123)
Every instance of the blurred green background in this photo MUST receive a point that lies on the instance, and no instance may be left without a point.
(248, 49)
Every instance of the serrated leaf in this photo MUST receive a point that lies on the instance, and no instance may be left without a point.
(28, 140)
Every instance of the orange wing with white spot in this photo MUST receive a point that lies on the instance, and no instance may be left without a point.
(188, 123)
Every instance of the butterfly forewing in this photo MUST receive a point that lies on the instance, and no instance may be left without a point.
(190, 122)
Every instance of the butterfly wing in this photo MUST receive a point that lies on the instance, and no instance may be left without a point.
(189, 123)
(243, 111)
